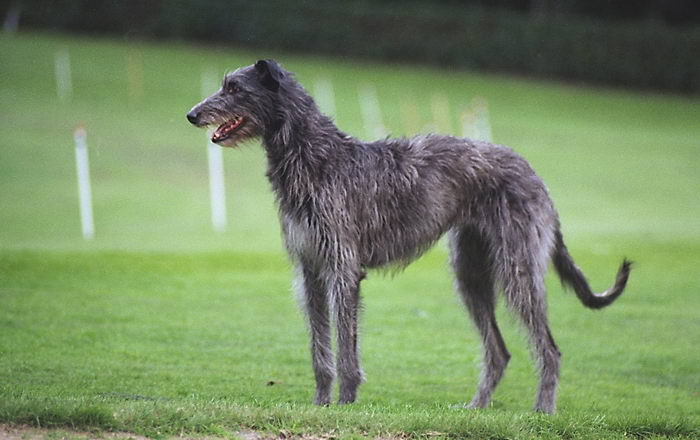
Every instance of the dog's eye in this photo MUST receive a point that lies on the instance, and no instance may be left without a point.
(232, 88)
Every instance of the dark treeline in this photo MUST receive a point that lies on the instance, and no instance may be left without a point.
(669, 12)
(650, 44)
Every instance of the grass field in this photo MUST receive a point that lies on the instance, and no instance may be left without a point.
(160, 326)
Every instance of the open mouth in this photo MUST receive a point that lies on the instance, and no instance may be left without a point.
(227, 129)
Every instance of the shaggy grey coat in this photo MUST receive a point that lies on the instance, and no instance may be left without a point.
(347, 206)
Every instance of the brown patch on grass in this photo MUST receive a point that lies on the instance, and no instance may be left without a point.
(24, 432)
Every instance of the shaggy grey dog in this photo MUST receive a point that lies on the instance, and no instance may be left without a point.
(347, 206)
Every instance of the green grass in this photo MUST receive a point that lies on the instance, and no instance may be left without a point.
(160, 326)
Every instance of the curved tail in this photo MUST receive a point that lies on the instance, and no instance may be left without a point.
(571, 276)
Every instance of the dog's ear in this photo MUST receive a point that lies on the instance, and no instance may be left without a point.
(270, 74)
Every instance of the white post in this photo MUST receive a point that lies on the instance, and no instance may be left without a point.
(483, 125)
(440, 106)
(217, 187)
(323, 88)
(475, 121)
(64, 85)
(371, 113)
(468, 124)
(84, 191)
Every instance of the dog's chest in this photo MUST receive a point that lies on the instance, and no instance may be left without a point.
(297, 236)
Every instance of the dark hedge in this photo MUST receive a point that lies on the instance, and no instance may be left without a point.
(641, 55)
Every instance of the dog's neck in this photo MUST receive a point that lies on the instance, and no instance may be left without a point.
(301, 148)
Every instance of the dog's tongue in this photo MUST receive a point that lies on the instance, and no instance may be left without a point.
(226, 129)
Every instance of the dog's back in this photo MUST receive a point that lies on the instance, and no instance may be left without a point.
(394, 198)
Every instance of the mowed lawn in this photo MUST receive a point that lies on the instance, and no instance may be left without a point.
(161, 326)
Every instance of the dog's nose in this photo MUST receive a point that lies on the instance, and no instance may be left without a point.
(193, 117)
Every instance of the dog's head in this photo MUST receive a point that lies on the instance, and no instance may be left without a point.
(244, 107)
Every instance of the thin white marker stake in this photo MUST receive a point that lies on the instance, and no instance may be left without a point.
(440, 106)
(210, 82)
(483, 125)
(323, 89)
(84, 191)
(469, 124)
(64, 85)
(475, 121)
(371, 113)
(217, 187)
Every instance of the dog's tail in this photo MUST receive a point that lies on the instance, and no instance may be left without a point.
(572, 277)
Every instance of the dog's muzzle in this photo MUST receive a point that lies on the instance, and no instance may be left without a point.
(193, 117)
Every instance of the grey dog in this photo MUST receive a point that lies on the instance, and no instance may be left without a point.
(347, 206)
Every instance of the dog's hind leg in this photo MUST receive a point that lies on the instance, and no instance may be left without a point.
(525, 294)
(532, 309)
(345, 291)
(475, 282)
(316, 303)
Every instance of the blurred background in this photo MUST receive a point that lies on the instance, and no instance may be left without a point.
(601, 97)
(647, 43)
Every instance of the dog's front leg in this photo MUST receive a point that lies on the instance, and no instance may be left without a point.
(315, 298)
(345, 292)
